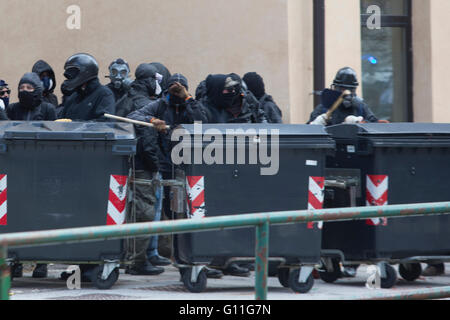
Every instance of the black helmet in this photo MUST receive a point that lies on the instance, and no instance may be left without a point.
(79, 69)
(346, 78)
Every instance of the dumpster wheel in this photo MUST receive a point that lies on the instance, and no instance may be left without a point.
(331, 276)
(99, 283)
(194, 287)
(297, 286)
(391, 277)
(410, 271)
(283, 277)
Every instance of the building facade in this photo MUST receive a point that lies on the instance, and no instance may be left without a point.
(296, 45)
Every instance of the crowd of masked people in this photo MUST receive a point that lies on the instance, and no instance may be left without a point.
(156, 96)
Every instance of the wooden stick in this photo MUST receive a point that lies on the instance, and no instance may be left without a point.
(337, 103)
(141, 123)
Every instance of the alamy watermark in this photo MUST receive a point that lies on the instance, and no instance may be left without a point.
(73, 282)
(73, 22)
(236, 146)
(374, 21)
(374, 279)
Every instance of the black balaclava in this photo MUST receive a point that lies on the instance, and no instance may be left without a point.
(146, 75)
(255, 84)
(233, 101)
(164, 72)
(31, 100)
(177, 77)
(48, 82)
(214, 87)
(215, 84)
(3, 85)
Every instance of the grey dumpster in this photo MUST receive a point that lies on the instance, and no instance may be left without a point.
(233, 188)
(396, 164)
(64, 175)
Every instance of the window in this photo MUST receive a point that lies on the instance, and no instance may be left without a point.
(387, 60)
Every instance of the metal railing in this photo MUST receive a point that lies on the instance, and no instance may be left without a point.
(261, 221)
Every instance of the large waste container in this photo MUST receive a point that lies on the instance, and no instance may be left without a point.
(232, 188)
(395, 164)
(64, 175)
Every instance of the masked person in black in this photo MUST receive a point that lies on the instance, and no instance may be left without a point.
(119, 72)
(90, 100)
(4, 99)
(144, 90)
(47, 76)
(165, 76)
(31, 105)
(227, 102)
(177, 107)
(255, 84)
(4, 94)
(174, 108)
(352, 109)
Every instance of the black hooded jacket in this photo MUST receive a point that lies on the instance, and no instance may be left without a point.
(162, 70)
(251, 111)
(89, 104)
(255, 84)
(136, 98)
(141, 93)
(39, 110)
(174, 115)
(48, 96)
(118, 93)
(272, 111)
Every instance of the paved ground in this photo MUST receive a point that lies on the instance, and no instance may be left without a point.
(168, 287)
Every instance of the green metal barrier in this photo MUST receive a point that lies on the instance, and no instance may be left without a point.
(261, 221)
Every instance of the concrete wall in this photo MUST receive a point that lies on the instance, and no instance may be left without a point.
(342, 37)
(431, 50)
(195, 37)
(301, 62)
(198, 37)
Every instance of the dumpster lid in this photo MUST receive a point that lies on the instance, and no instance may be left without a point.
(49, 130)
(390, 129)
(283, 129)
(295, 136)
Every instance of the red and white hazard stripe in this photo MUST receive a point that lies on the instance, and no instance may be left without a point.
(196, 196)
(316, 197)
(117, 200)
(377, 187)
(3, 199)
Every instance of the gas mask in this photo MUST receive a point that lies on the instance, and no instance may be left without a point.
(47, 82)
(351, 100)
(118, 73)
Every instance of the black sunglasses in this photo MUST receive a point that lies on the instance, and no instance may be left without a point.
(2, 93)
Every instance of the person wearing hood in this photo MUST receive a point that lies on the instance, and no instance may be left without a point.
(226, 101)
(174, 108)
(31, 105)
(255, 84)
(47, 76)
(5, 93)
(119, 72)
(90, 100)
(144, 90)
(165, 74)
(353, 109)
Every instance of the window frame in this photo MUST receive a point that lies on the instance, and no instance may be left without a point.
(405, 22)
